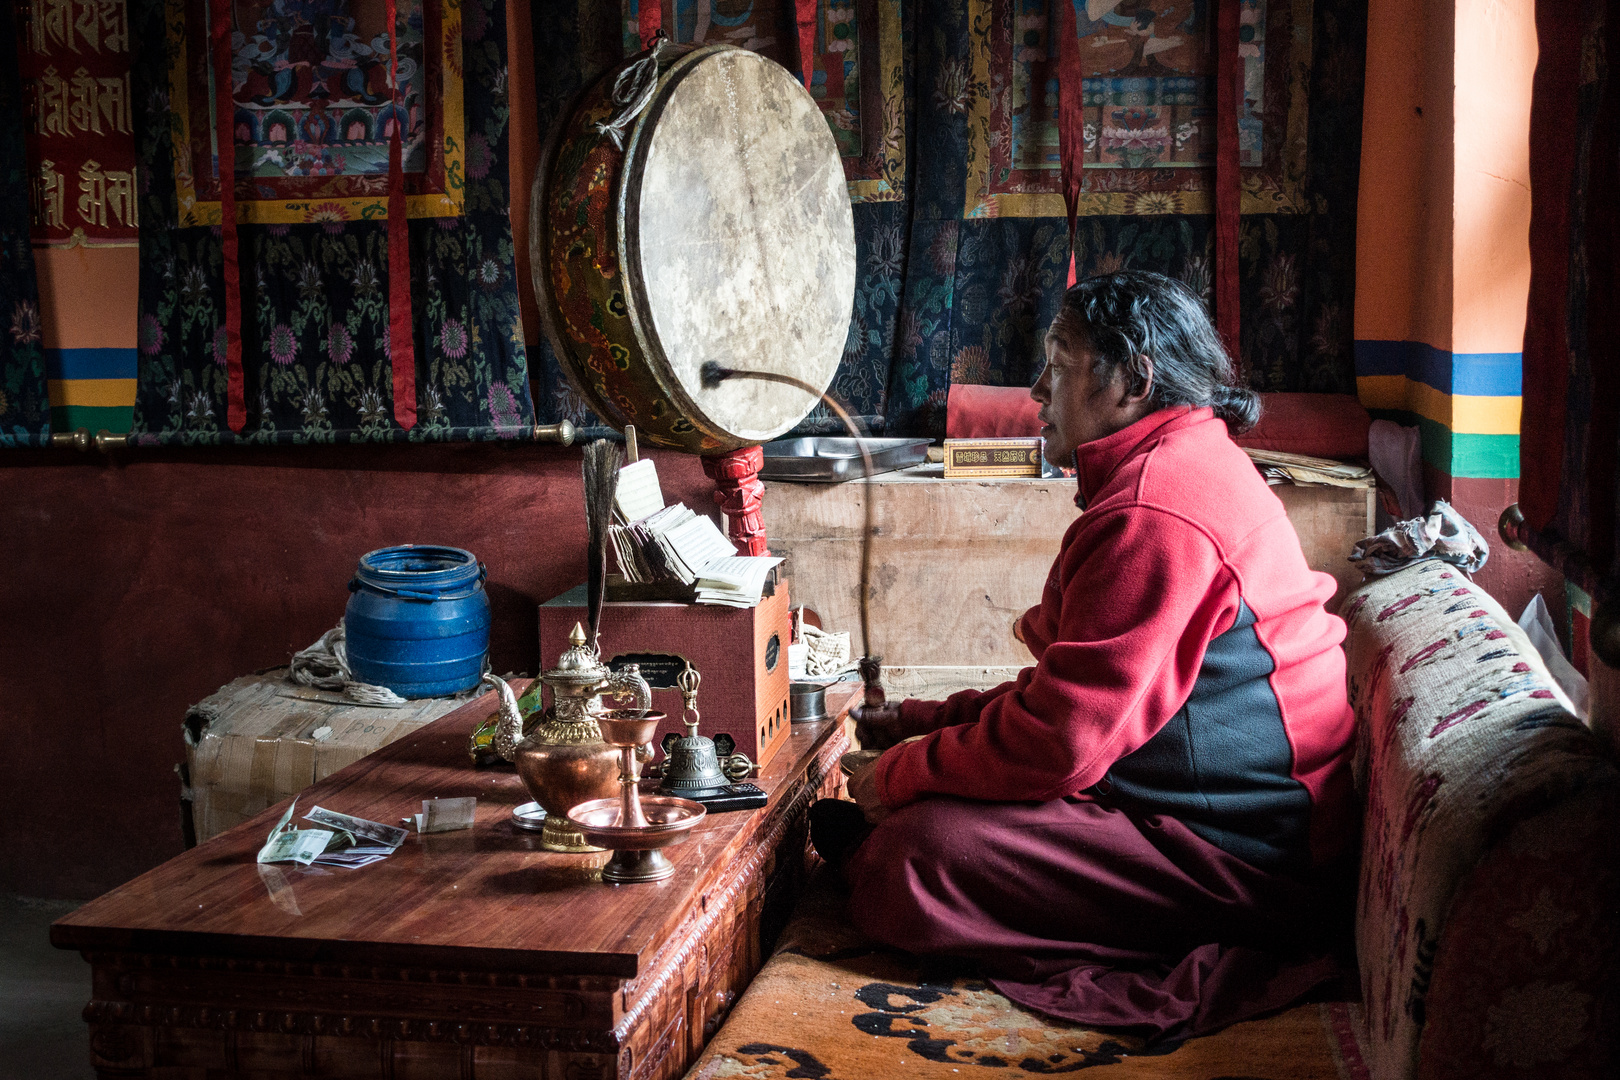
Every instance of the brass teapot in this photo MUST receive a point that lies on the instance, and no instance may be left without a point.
(563, 760)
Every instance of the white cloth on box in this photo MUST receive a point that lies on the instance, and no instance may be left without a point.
(1536, 622)
(1396, 455)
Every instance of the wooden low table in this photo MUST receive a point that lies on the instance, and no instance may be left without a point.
(470, 954)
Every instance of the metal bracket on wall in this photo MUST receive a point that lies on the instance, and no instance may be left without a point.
(81, 439)
(562, 433)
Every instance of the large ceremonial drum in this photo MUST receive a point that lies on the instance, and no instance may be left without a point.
(692, 208)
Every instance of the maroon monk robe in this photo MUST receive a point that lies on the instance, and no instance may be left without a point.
(1093, 914)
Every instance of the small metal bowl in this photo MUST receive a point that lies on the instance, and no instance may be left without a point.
(530, 816)
(807, 701)
(669, 820)
(854, 760)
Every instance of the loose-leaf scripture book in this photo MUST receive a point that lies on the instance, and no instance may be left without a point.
(657, 543)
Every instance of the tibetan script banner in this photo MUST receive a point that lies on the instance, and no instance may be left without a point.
(74, 57)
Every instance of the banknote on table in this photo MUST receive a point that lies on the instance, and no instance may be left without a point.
(387, 835)
(446, 815)
(287, 844)
(353, 858)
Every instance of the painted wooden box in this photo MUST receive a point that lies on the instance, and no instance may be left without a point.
(741, 654)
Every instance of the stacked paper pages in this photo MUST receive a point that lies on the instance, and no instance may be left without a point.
(653, 542)
(1279, 467)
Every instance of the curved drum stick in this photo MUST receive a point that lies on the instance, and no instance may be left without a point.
(871, 667)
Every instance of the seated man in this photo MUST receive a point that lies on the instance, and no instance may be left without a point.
(1146, 829)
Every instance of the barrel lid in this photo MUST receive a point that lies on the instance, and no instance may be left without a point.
(418, 567)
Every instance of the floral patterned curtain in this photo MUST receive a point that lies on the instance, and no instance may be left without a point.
(963, 245)
(313, 115)
(25, 409)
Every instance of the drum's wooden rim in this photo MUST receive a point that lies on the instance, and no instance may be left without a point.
(540, 251)
(628, 213)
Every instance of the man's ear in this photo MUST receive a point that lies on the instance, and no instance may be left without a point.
(1128, 397)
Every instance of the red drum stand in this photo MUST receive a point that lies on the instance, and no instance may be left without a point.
(737, 492)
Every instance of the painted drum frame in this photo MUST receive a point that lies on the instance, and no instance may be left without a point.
(584, 217)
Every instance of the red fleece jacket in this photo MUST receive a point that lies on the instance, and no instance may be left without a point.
(1179, 535)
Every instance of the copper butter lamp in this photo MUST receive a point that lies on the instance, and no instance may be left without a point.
(635, 828)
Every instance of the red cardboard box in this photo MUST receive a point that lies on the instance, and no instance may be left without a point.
(741, 654)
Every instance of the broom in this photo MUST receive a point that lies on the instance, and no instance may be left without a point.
(601, 468)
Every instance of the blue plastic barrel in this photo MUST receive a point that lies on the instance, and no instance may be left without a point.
(418, 620)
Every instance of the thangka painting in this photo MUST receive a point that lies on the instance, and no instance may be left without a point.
(312, 120)
(963, 254)
(1148, 93)
(74, 56)
(857, 74)
(314, 112)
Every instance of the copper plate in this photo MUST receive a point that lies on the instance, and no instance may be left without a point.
(668, 821)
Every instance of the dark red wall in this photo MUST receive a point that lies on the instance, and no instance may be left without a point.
(134, 588)
(1512, 577)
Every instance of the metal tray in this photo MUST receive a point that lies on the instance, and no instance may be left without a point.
(832, 461)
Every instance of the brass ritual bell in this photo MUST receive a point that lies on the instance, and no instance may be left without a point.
(564, 761)
(696, 766)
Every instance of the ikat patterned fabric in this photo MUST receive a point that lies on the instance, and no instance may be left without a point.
(960, 230)
(311, 166)
(25, 408)
(1461, 733)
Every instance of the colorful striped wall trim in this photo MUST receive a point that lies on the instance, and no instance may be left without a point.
(1465, 404)
(91, 388)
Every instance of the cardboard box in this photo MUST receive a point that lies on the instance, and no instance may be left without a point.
(253, 743)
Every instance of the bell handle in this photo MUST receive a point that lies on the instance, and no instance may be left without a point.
(510, 729)
(688, 681)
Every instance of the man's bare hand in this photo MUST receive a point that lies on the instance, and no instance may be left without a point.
(878, 728)
(864, 790)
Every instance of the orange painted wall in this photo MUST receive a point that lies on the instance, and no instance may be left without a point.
(87, 296)
(1403, 234)
(1442, 237)
(1495, 68)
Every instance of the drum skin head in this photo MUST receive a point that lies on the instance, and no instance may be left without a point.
(738, 242)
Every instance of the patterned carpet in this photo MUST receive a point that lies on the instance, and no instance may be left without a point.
(833, 1006)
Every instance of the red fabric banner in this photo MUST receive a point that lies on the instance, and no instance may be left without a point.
(1553, 138)
(1071, 118)
(650, 20)
(219, 40)
(1228, 182)
(401, 346)
(804, 14)
(1602, 228)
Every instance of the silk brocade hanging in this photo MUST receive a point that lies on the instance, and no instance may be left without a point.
(947, 115)
(370, 219)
